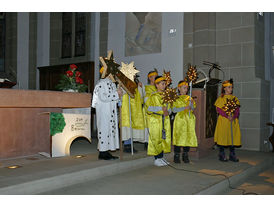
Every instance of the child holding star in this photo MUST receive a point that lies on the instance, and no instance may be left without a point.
(149, 89)
(184, 134)
(158, 124)
(227, 132)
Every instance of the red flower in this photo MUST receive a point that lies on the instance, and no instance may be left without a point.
(69, 73)
(79, 80)
(73, 67)
(78, 74)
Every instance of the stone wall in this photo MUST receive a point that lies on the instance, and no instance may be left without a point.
(236, 42)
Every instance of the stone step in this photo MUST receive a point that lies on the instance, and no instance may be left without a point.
(48, 181)
(223, 186)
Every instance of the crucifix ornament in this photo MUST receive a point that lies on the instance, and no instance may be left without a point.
(111, 68)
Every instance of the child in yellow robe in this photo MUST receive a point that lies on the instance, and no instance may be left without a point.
(133, 122)
(184, 134)
(223, 136)
(149, 89)
(158, 124)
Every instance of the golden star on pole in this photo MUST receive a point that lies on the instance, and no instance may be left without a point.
(128, 70)
(111, 70)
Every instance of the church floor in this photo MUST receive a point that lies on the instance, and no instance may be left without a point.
(135, 174)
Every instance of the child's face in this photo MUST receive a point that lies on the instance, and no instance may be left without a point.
(152, 79)
(183, 89)
(228, 90)
(161, 86)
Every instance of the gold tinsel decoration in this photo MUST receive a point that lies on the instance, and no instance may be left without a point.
(169, 95)
(167, 77)
(230, 106)
(192, 74)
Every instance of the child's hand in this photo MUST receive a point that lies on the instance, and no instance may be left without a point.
(120, 92)
(188, 107)
(165, 111)
(230, 118)
(140, 84)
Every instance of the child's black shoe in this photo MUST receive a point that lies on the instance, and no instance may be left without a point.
(222, 158)
(185, 157)
(177, 158)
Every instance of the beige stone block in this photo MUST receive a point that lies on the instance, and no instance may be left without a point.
(226, 20)
(249, 120)
(188, 22)
(188, 39)
(250, 139)
(245, 34)
(200, 21)
(222, 37)
(248, 54)
(188, 56)
(104, 22)
(265, 89)
(259, 72)
(248, 18)
(204, 53)
(224, 76)
(212, 20)
(250, 105)
(229, 55)
(243, 74)
(237, 89)
(259, 56)
(251, 90)
(204, 37)
(103, 48)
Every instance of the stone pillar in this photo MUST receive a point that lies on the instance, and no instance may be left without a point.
(23, 50)
(43, 41)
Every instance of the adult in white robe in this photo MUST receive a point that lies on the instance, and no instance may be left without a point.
(105, 99)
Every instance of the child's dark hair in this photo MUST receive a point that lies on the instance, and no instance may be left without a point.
(223, 87)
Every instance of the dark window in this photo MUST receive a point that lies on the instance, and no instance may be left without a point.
(80, 34)
(66, 34)
(2, 41)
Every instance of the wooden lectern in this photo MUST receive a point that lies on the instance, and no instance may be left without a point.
(205, 114)
(24, 127)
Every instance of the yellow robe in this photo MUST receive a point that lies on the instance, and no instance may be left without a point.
(137, 117)
(222, 134)
(149, 89)
(184, 124)
(156, 143)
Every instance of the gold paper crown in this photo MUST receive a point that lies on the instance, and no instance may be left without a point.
(182, 83)
(101, 70)
(152, 74)
(226, 84)
(159, 79)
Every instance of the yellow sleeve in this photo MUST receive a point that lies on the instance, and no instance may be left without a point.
(154, 105)
(219, 102)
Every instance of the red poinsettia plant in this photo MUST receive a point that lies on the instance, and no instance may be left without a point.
(72, 80)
